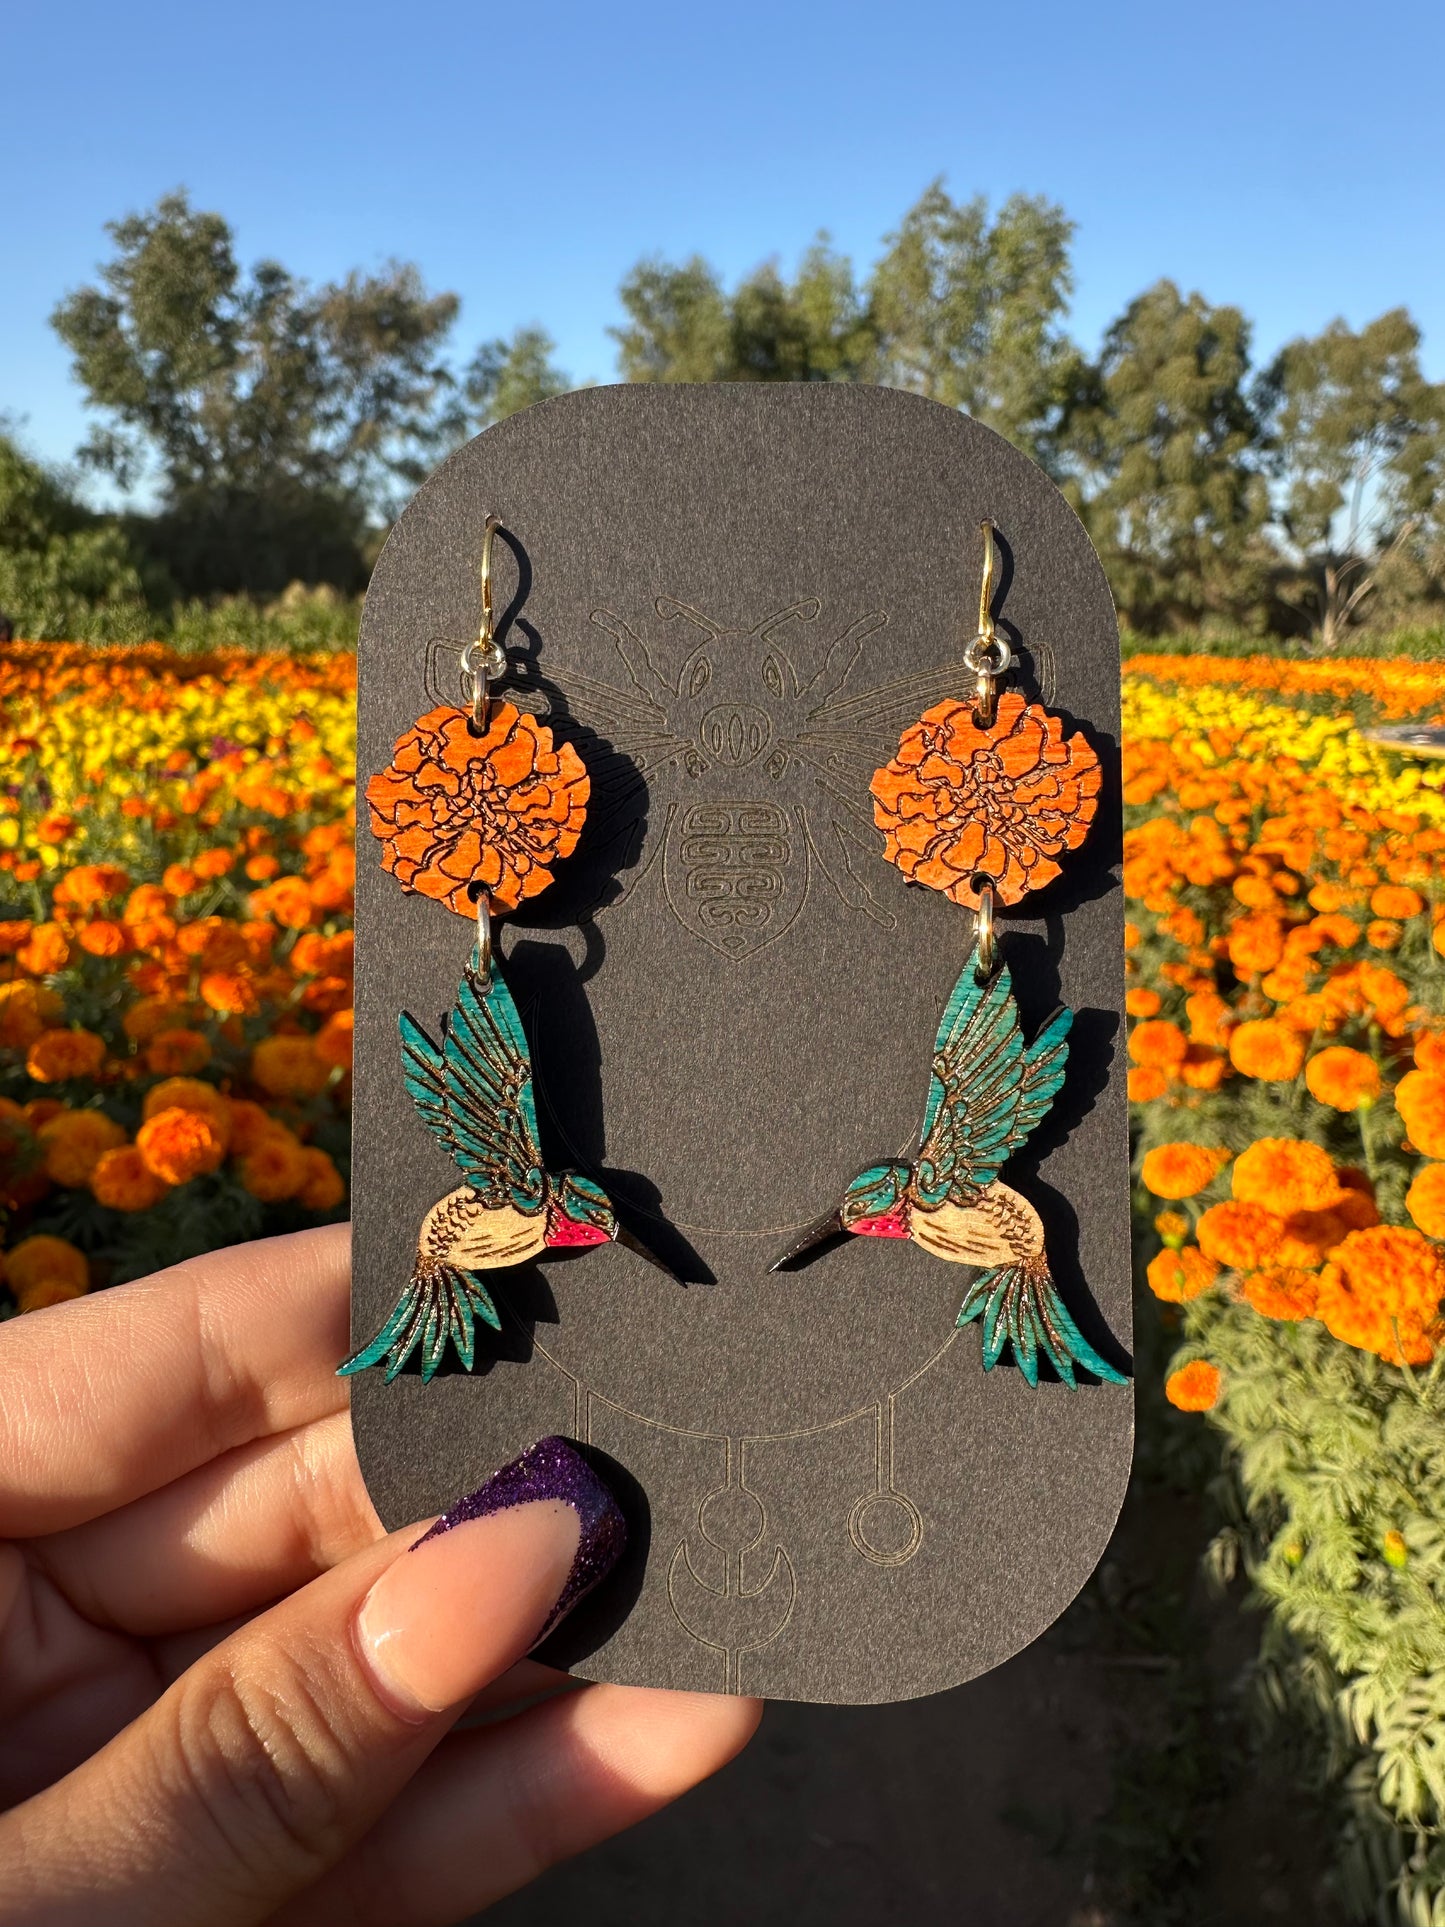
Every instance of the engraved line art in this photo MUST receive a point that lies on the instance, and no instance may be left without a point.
(732, 1618)
(885, 1502)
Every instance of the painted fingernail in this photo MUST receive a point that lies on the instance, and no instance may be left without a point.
(490, 1579)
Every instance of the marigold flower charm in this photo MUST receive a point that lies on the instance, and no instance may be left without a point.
(963, 799)
(458, 808)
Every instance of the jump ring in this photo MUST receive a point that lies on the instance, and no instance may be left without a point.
(989, 651)
(985, 942)
(484, 937)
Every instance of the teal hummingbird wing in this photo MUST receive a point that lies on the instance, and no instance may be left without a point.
(988, 1091)
(490, 1110)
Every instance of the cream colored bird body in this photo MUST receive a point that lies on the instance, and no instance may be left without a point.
(1000, 1228)
(463, 1232)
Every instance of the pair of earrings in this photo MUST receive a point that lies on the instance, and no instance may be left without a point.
(981, 799)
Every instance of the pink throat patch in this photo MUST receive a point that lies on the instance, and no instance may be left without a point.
(893, 1225)
(563, 1232)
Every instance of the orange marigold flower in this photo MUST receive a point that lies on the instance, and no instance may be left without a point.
(230, 992)
(287, 901)
(453, 809)
(1181, 1170)
(190, 1094)
(1396, 901)
(14, 934)
(1158, 1042)
(176, 1053)
(289, 1067)
(275, 1169)
(1286, 1174)
(26, 1009)
(1143, 1002)
(73, 1144)
(101, 938)
(1381, 1291)
(1194, 1387)
(250, 1123)
(325, 1187)
(324, 996)
(48, 1291)
(1242, 1236)
(261, 869)
(1203, 1070)
(123, 1180)
(1420, 1100)
(149, 1016)
(1133, 936)
(1208, 1016)
(147, 900)
(1267, 1049)
(333, 1041)
(57, 1055)
(179, 1145)
(1287, 1292)
(213, 863)
(1343, 1078)
(91, 884)
(1380, 935)
(179, 880)
(1177, 1276)
(1146, 1083)
(45, 951)
(1425, 1200)
(1255, 892)
(1173, 1228)
(1328, 897)
(1256, 945)
(36, 1259)
(1430, 1051)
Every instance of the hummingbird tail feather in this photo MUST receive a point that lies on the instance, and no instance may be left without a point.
(440, 1305)
(1020, 1306)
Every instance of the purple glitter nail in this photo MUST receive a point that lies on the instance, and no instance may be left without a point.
(552, 1469)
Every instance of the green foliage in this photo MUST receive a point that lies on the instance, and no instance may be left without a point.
(506, 376)
(63, 571)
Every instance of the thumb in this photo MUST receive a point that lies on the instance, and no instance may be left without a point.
(279, 1749)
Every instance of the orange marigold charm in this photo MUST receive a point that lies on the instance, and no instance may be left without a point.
(495, 808)
(959, 801)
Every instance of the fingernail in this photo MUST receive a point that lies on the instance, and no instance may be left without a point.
(489, 1580)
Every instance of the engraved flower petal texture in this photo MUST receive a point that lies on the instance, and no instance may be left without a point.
(958, 801)
(496, 808)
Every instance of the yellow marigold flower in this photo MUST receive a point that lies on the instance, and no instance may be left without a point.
(36, 1259)
(1425, 1200)
(175, 1053)
(1267, 1049)
(289, 1067)
(1147, 1082)
(1285, 1292)
(1158, 1043)
(333, 1040)
(275, 1169)
(179, 1145)
(46, 950)
(1396, 901)
(1343, 1078)
(57, 1055)
(1286, 1174)
(190, 1094)
(74, 1143)
(1420, 1100)
(1173, 1228)
(325, 1187)
(26, 1009)
(1381, 1291)
(1194, 1387)
(1177, 1276)
(123, 1180)
(1181, 1170)
(1243, 1236)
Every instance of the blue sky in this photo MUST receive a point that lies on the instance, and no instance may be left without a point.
(1280, 156)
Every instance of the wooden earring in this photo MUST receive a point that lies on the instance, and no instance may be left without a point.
(474, 808)
(980, 801)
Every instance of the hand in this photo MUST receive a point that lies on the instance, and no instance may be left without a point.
(226, 1695)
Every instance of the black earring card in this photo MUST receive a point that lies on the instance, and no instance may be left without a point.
(732, 600)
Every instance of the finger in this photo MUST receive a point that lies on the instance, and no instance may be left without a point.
(545, 1786)
(113, 1396)
(245, 1529)
(271, 1757)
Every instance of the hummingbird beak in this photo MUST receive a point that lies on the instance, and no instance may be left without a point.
(816, 1234)
(629, 1243)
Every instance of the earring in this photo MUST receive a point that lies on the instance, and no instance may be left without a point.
(979, 802)
(476, 805)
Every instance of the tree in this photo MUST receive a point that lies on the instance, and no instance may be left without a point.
(971, 312)
(1359, 453)
(64, 572)
(683, 326)
(504, 376)
(275, 418)
(1160, 446)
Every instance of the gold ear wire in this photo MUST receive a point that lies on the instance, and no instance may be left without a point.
(482, 660)
(988, 656)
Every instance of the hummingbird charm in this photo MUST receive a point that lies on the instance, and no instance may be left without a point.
(988, 1093)
(474, 1093)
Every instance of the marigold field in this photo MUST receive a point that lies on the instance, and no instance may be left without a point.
(175, 1027)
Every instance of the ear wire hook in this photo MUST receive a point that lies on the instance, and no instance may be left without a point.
(988, 657)
(484, 661)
